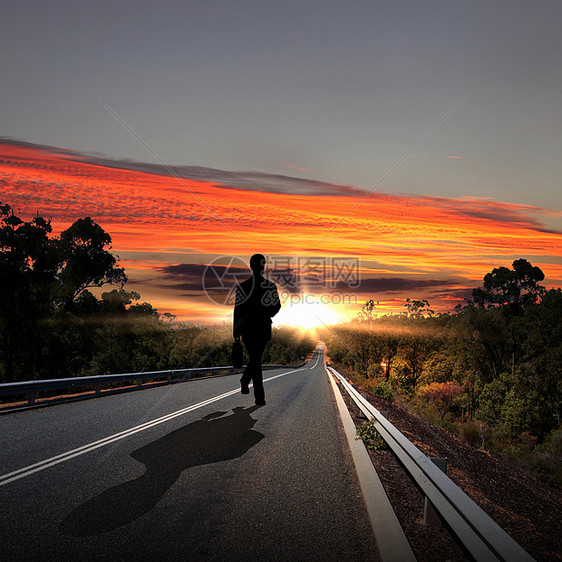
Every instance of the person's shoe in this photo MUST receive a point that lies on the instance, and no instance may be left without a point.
(244, 389)
(260, 402)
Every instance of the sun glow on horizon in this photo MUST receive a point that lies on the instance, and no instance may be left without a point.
(307, 316)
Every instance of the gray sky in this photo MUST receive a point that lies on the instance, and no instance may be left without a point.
(341, 90)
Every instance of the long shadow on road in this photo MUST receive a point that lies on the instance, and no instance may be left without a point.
(214, 438)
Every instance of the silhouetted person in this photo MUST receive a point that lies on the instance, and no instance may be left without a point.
(257, 301)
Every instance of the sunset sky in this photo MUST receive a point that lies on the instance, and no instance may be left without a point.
(370, 149)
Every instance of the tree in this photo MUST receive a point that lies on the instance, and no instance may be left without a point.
(43, 276)
(389, 341)
(515, 288)
(168, 317)
(368, 350)
(487, 330)
(512, 291)
(539, 377)
(28, 265)
(418, 308)
(414, 349)
(117, 300)
(367, 312)
(86, 261)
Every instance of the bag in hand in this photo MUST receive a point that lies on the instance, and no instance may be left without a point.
(237, 354)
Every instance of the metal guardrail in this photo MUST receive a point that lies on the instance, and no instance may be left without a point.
(481, 537)
(31, 388)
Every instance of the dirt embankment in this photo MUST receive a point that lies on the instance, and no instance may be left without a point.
(530, 511)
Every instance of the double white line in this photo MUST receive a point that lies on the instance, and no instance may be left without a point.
(42, 465)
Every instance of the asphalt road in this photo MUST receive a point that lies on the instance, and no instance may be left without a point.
(204, 478)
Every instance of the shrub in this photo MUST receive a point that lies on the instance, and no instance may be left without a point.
(401, 378)
(441, 394)
(548, 461)
(381, 389)
(370, 436)
(475, 432)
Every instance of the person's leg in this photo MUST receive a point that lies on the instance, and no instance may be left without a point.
(254, 371)
(247, 374)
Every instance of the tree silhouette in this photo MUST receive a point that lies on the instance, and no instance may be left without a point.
(418, 308)
(40, 275)
(86, 260)
(28, 266)
(512, 291)
(516, 288)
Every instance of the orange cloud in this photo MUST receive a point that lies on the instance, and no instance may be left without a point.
(293, 167)
(156, 219)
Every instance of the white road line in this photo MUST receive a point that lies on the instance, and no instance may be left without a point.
(317, 359)
(41, 465)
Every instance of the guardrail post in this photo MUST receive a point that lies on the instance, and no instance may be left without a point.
(139, 383)
(31, 398)
(97, 389)
(430, 516)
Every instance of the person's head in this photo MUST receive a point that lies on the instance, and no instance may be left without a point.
(257, 264)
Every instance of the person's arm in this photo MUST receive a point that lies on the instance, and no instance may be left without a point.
(237, 320)
(275, 305)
